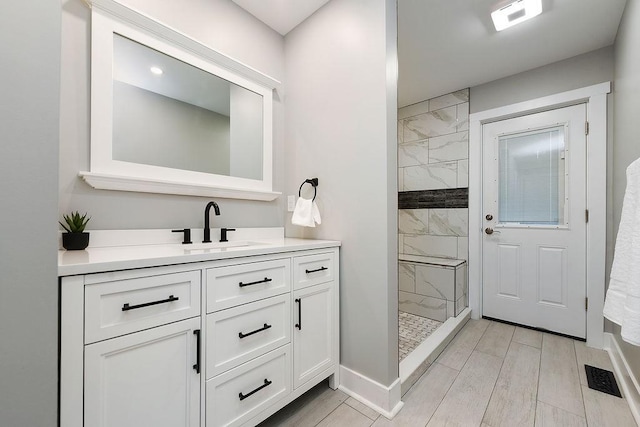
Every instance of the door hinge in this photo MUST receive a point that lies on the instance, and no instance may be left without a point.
(586, 215)
(586, 128)
(586, 304)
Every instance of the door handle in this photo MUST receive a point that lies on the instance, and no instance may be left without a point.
(490, 231)
(316, 270)
(265, 280)
(127, 306)
(266, 383)
(299, 324)
(198, 351)
(264, 328)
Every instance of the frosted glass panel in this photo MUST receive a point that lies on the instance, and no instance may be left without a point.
(532, 177)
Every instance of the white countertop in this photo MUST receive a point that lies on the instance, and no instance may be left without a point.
(101, 259)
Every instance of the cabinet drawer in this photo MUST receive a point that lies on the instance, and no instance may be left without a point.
(239, 334)
(239, 284)
(124, 306)
(311, 270)
(239, 394)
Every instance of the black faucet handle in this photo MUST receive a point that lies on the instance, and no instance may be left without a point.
(223, 234)
(186, 238)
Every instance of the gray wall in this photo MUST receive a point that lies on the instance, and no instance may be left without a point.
(220, 24)
(573, 73)
(626, 146)
(341, 113)
(30, 80)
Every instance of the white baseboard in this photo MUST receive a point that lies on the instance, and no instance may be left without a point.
(628, 383)
(382, 399)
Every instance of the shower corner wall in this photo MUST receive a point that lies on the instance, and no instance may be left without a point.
(433, 139)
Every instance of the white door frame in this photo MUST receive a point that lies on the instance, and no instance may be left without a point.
(595, 98)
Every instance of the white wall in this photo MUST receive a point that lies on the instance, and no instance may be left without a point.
(220, 24)
(29, 84)
(341, 109)
(626, 145)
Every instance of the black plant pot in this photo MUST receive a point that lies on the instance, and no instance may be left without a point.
(75, 241)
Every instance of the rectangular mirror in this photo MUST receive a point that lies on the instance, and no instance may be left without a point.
(170, 115)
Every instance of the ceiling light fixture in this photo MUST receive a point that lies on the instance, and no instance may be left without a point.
(515, 13)
(156, 70)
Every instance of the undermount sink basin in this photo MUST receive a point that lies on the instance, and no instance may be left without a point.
(217, 245)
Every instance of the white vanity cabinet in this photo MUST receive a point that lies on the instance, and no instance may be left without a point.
(271, 331)
(145, 378)
(315, 318)
(136, 336)
(210, 343)
(313, 344)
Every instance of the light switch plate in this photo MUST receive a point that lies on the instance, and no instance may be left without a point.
(291, 203)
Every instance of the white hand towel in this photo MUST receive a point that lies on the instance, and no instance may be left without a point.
(622, 304)
(306, 213)
(316, 213)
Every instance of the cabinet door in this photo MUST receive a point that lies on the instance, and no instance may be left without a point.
(144, 379)
(313, 317)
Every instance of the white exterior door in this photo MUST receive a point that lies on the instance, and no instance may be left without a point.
(534, 208)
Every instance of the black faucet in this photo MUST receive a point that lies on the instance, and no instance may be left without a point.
(207, 231)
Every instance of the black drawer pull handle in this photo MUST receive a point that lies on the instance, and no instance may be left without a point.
(127, 307)
(244, 396)
(299, 324)
(197, 365)
(265, 280)
(264, 328)
(316, 270)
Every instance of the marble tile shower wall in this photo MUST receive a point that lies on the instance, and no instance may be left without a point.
(433, 154)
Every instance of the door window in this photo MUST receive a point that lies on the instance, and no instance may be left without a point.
(532, 177)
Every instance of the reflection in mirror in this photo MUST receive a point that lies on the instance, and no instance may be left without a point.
(171, 114)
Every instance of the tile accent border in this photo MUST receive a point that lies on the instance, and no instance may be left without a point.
(434, 199)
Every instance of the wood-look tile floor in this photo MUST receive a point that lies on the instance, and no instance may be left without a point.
(490, 375)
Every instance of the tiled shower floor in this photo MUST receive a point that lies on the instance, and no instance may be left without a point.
(413, 330)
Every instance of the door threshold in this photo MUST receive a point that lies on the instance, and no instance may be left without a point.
(535, 329)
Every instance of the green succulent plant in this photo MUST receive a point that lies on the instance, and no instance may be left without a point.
(75, 223)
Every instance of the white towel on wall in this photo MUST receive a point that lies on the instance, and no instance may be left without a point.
(306, 213)
(622, 304)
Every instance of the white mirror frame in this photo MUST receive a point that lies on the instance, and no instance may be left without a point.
(109, 17)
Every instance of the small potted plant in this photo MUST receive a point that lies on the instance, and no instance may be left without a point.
(75, 238)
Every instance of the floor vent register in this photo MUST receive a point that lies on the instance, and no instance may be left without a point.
(602, 380)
